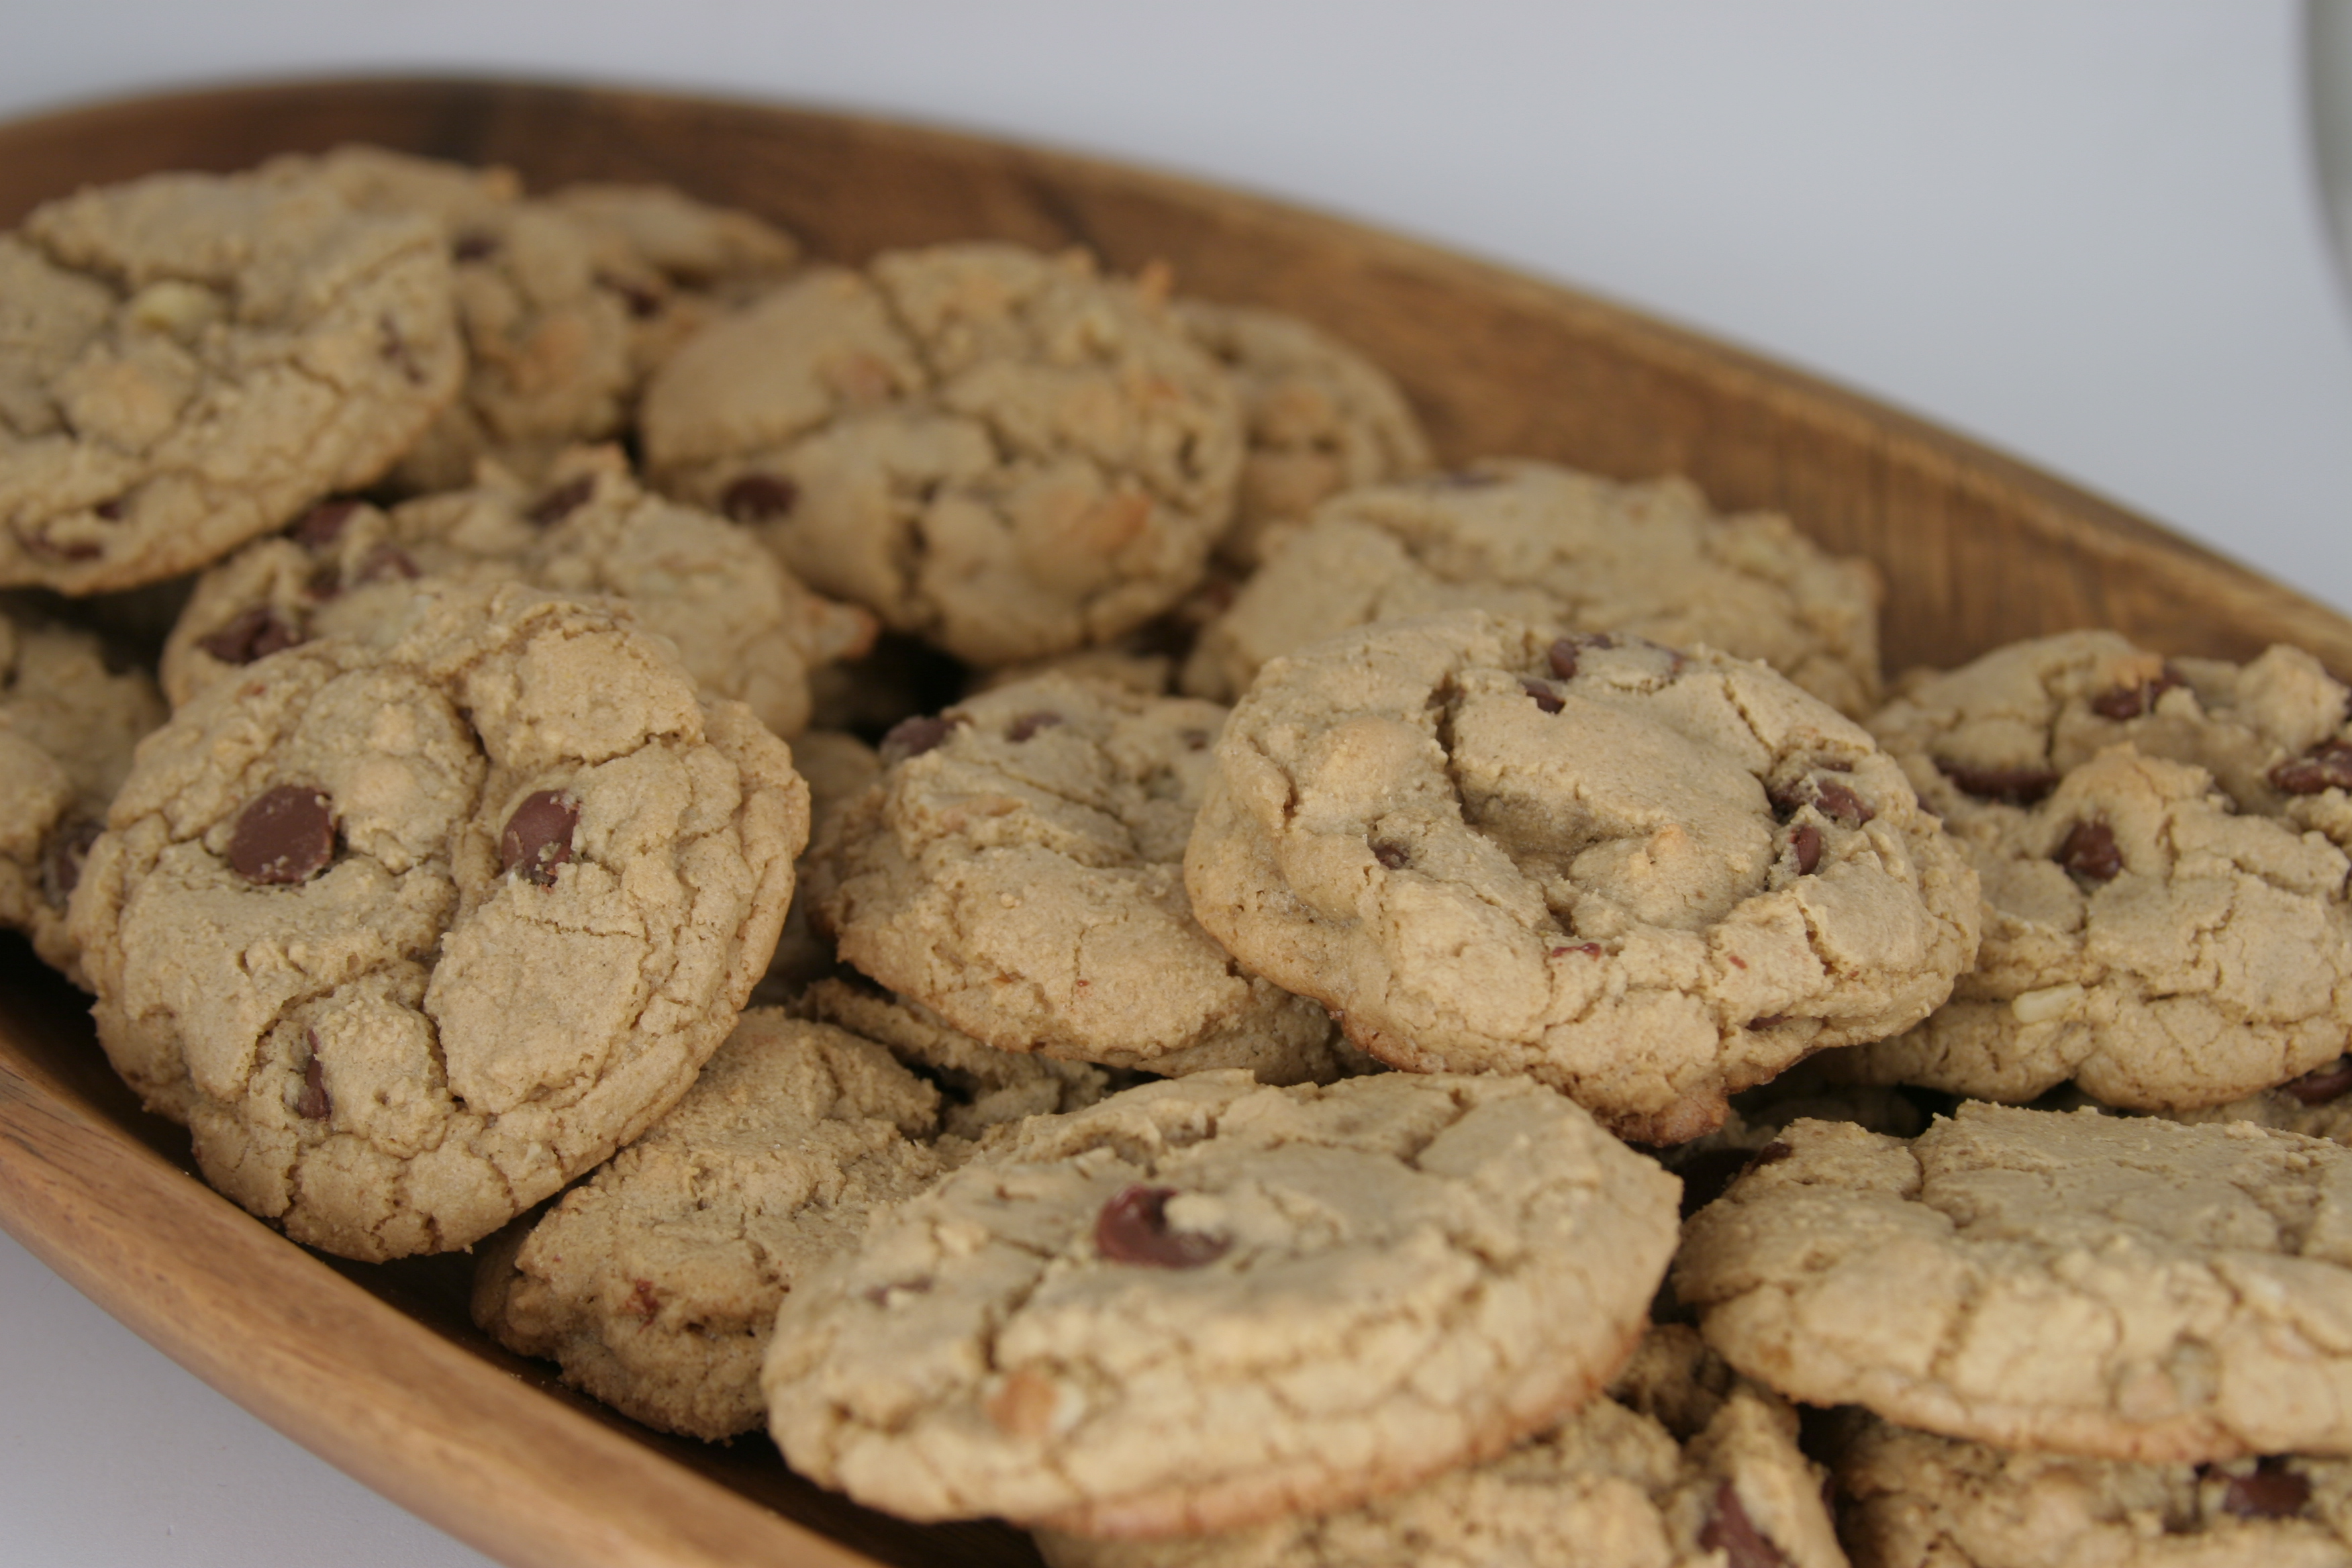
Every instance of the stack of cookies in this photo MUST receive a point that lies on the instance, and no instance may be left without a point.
(984, 868)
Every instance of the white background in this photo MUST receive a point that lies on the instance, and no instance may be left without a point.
(2084, 232)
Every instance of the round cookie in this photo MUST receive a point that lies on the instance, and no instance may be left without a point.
(68, 724)
(745, 628)
(187, 360)
(411, 933)
(654, 1283)
(1018, 869)
(2118, 1287)
(1648, 878)
(1702, 1470)
(997, 450)
(1912, 1500)
(1554, 547)
(1321, 418)
(1205, 1303)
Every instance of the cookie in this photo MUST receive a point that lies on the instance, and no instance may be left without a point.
(1612, 1486)
(187, 360)
(1321, 418)
(68, 724)
(411, 934)
(1912, 1500)
(1648, 878)
(2117, 1287)
(1018, 869)
(745, 628)
(1565, 549)
(1204, 1303)
(654, 1283)
(2315, 1105)
(999, 451)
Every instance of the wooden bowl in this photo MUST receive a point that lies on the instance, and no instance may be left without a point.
(377, 1368)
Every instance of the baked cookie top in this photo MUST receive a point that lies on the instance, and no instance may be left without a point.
(2120, 1287)
(1320, 417)
(654, 1282)
(187, 360)
(1647, 878)
(744, 626)
(1019, 870)
(68, 724)
(1000, 451)
(1912, 1499)
(1681, 1465)
(1554, 547)
(411, 934)
(1204, 1303)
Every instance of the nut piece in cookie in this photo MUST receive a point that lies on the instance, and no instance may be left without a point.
(1647, 878)
(1204, 1303)
(411, 932)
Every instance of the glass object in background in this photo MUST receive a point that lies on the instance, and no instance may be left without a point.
(2330, 62)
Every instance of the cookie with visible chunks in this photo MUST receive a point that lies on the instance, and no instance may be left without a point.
(1555, 547)
(2124, 1287)
(411, 934)
(654, 1283)
(1649, 878)
(187, 360)
(1204, 1303)
(997, 450)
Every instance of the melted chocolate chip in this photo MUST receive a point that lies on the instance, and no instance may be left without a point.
(284, 836)
(561, 502)
(110, 510)
(2013, 787)
(2327, 765)
(756, 497)
(314, 1103)
(322, 524)
(473, 247)
(1841, 805)
(1028, 724)
(62, 858)
(913, 737)
(2089, 852)
(1729, 1530)
(2273, 1491)
(1807, 842)
(324, 584)
(1391, 854)
(255, 632)
(1562, 655)
(2321, 1085)
(1773, 1154)
(1133, 1228)
(1545, 698)
(2131, 702)
(538, 836)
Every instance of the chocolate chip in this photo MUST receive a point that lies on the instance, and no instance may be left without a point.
(2273, 1491)
(1562, 655)
(1133, 1228)
(2327, 765)
(538, 836)
(2321, 1085)
(756, 497)
(2131, 702)
(1195, 740)
(1729, 1530)
(561, 502)
(324, 584)
(110, 510)
(314, 1103)
(913, 737)
(1807, 842)
(285, 836)
(1773, 1154)
(473, 247)
(1029, 724)
(62, 858)
(2013, 787)
(255, 632)
(1841, 805)
(642, 1302)
(1545, 698)
(384, 563)
(322, 524)
(2089, 851)
(1390, 853)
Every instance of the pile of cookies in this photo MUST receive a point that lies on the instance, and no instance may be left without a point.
(984, 866)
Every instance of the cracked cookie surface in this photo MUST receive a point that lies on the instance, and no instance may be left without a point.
(1647, 878)
(997, 450)
(187, 360)
(654, 1281)
(1019, 870)
(1555, 547)
(2120, 1287)
(411, 933)
(1203, 1303)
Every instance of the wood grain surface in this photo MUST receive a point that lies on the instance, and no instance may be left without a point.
(378, 1368)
